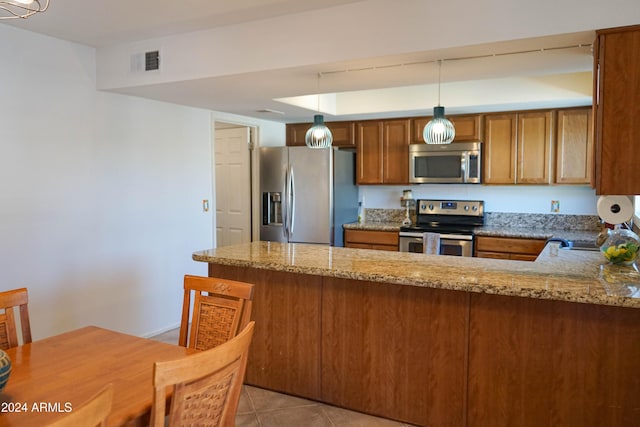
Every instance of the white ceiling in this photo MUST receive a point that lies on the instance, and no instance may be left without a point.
(106, 23)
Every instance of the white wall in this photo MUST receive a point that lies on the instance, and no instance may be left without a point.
(363, 29)
(574, 200)
(100, 194)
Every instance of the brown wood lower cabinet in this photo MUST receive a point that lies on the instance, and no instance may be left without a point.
(372, 239)
(508, 248)
(379, 351)
(285, 351)
(550, 363)
(434, 357)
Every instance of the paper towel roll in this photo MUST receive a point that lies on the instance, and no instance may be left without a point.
(615, 209)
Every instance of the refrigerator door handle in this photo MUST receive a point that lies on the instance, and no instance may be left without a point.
(285, 203)
(293, 202)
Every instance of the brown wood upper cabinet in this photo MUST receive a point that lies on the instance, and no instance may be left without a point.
(383, 151)
(343, 133)
(468, 128)
(574, 146)
(616, 106)
(517, 148)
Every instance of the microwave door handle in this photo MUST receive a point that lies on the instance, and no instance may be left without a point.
(464, 158)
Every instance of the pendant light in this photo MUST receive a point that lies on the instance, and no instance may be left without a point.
(318, 135)
(439, 130)
(10, 9)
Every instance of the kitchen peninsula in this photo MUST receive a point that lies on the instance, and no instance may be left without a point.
(444, 341)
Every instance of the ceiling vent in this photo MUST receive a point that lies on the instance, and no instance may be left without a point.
(152, 60)
(148, 61)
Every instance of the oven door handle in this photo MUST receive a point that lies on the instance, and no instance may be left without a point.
(417, 235)
(456, 237)
(412, 234)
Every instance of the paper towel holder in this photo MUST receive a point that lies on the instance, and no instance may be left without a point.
(615, 209)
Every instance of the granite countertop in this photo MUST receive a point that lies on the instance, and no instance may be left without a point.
(538, 233)
(557, 274)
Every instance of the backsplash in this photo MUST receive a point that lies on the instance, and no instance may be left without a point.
(503, 219)
(387, 215)
(549, 221)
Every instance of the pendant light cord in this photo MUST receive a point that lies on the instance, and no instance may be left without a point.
(439, 72)
(318, 90)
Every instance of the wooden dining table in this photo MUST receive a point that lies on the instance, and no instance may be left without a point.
(52, 376)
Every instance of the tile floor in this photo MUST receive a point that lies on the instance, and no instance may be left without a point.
(264, 408)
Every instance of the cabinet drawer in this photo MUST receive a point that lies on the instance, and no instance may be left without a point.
(362, 238)
(509, 245)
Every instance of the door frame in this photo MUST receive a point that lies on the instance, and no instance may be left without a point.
(254, 175)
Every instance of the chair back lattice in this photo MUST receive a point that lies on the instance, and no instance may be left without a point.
(216, 320)
(221, 309)
(206, 385)
(9, 302)
(203, 402)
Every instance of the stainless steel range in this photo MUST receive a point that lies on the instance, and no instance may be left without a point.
(452, 220)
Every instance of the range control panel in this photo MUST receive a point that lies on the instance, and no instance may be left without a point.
(450, 207)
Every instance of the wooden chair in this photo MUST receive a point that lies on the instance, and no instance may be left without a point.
(92, 413)
(206, 385)
(9, 300)
(221, 309)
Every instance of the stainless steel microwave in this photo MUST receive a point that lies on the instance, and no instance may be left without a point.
(458, 162)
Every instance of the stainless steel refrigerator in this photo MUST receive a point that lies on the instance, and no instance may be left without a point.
(307, 194)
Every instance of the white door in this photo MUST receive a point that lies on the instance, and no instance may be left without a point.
(233, 186)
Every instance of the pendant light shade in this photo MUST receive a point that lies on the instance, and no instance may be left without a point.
(10, 9)
(318, 135)
(439, 130)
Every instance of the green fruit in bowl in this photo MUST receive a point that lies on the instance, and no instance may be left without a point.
(625, 252)
(621, 247)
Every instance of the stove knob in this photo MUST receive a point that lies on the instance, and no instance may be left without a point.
(430, 207)
(466, 207)
(475, 208)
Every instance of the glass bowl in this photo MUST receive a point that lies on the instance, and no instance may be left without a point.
(621, 246)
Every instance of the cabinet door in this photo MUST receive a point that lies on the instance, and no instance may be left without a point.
(468, 128)
(296, 133)
(369, 146)
(343, 133)
(500, 149)
(574, 146)
(417, 126)
(617, 61)
(395, 151)
(534, 147)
